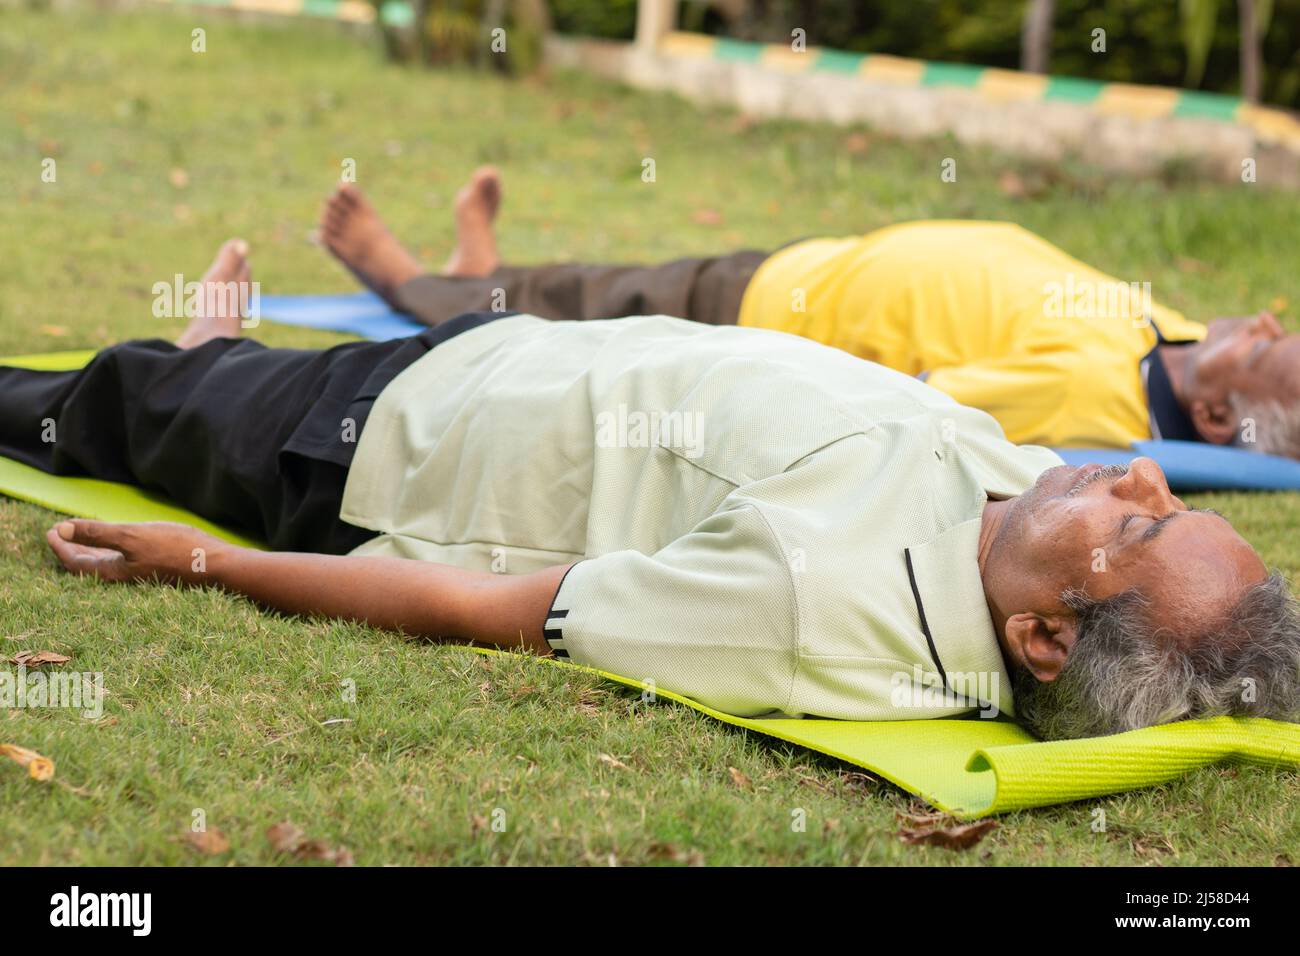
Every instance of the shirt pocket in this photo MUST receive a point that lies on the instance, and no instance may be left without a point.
(758, 433)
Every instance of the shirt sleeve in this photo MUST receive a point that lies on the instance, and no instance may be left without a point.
(711, 616)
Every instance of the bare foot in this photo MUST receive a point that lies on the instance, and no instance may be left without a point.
(225, 289)
(476, 206)
(358, 238)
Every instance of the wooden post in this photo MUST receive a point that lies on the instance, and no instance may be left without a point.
(1036, 37)
(1250, 50)
(654, 18)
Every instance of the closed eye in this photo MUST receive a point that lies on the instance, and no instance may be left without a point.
(1158, 525)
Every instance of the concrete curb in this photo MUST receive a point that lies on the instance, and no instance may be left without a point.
(1123, 127)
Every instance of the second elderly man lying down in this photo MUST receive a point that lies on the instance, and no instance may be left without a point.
(762, 523)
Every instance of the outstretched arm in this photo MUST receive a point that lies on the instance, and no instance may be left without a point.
(415, 597)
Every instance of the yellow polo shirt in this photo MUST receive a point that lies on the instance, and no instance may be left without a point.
(764, 524)
(989, 313)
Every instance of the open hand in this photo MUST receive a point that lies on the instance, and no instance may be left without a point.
(154, 550)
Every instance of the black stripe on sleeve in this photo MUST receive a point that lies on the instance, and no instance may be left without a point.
(553, 629)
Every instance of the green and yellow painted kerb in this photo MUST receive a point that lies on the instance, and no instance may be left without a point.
(397, 14)
(1122, 99)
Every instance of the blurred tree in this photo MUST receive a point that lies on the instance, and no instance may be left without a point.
(466, 32)
(1036, 36)
(1146, 42)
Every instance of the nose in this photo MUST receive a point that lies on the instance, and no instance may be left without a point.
(1145, 485)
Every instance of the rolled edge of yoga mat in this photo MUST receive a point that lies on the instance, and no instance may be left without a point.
(1059, 771)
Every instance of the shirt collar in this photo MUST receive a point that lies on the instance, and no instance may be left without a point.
(1168, 420)
(951, 604)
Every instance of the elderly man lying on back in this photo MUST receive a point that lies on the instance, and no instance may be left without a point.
(1058, 352)
(757, 521)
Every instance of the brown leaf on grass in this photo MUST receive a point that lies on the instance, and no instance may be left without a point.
(179, 178)
(1150, 845)
(820, 785)
(612, 761)
(38, 768)
(320, 850)
(37, 658)
(859, 781)
(477, 824)
(743, 123)
(523, 690)
(1189, 264)
(960, 837)
(58, 331)
(283, 837)
(922, 819)
(739, 779)
(707, 217)
(289, 839)
(1012, 185)
(589, 700)
(670, 851)
(857, 143)
(1278, 305)
(208, 842)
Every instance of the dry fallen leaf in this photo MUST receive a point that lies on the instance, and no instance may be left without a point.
(284, 837)
(857, 143)
(1192, 265)
(614, 762)
(58, 331)
(208, 842)
(961, 837)
(670, 851)
(287, 838)
(1012, 185)
(707, 217)
(739, 778)
(922, 819)
(38, 767)
(588, 701)
(36, 658)
(179, 178)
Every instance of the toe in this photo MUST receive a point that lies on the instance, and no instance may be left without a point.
(229, 258)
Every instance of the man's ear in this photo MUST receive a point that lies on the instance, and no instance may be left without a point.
(1213, 421)
(1040, 644)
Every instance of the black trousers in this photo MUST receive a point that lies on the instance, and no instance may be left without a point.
(700, 289)
(252, 437)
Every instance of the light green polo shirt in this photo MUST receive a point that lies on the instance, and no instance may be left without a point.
(765, 524)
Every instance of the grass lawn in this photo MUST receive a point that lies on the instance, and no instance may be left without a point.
(214, 706)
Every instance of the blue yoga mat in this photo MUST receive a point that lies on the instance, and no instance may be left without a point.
(358, 313)
(1188, 466)
(1196, 466)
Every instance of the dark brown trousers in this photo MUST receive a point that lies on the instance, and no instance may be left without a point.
(702, 290)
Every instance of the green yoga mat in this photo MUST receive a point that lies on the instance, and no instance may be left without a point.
(968, 767)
